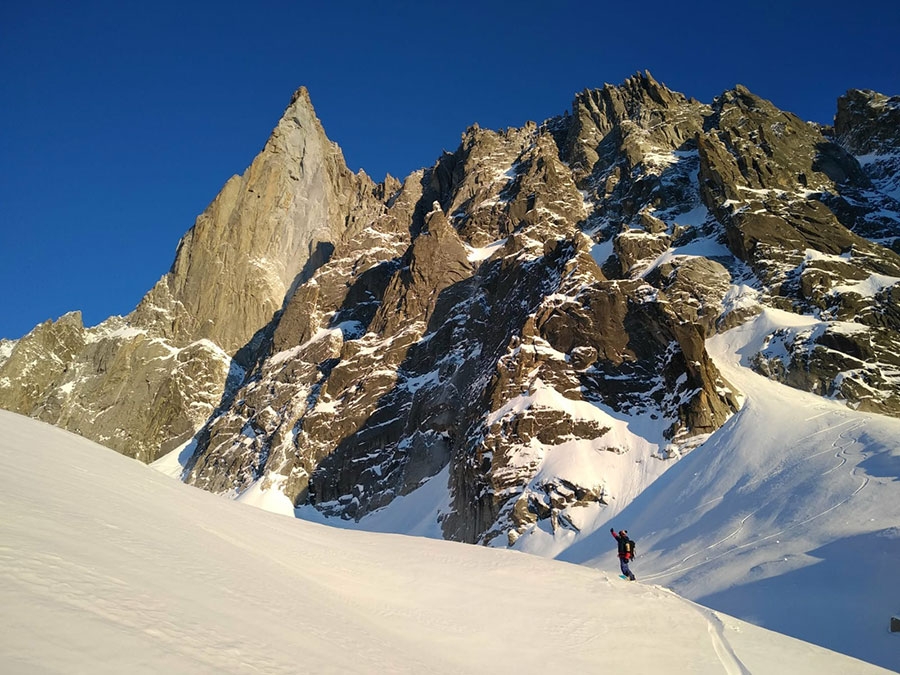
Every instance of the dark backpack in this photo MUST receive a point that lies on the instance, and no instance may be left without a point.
(629, 547)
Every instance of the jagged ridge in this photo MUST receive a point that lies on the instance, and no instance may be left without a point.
(540, 293)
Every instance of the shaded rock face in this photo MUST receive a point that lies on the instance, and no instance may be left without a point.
(523, 322)
(868, 123)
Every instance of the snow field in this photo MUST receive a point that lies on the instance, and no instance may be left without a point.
(107, 566)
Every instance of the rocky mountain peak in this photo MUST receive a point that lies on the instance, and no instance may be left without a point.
(288, 208)
(635, 97)
(299, 132)
(755, 146)
(497, 322)
(301, 97)
(868, 122)
(631, 120)
(643, 89)
(204, 321)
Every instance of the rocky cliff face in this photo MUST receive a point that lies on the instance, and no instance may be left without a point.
(524, 321)
(145, 383)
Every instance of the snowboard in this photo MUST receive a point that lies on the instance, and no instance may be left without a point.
(622, 576)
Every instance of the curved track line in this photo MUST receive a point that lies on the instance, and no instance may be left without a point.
(677, 567)
(842, 443)
(723, 649)
(716, 629)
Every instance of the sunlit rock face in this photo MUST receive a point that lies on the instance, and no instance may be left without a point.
(524, 321)
(145, 383)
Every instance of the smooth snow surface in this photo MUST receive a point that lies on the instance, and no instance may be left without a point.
(174, 463)
(107, 566)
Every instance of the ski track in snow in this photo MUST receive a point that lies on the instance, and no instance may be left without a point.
(679, 567)
(723, 649)
(715, 627)
(841, 454)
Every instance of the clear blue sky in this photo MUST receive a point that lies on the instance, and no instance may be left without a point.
(122, 120)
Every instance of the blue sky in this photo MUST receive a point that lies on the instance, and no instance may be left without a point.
(122, 120)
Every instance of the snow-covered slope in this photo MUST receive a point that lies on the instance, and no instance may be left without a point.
(107, 566)
(787, 517)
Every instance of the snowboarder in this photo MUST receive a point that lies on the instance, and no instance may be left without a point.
(626, 551)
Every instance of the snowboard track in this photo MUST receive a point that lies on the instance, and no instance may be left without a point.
(842, 443)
